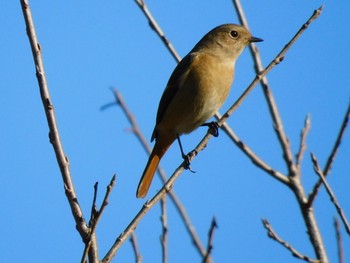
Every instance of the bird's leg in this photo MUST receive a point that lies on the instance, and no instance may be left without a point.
(213, 128)
(185, 156)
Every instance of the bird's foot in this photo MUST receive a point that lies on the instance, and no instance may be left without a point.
(187, 160)
(213, 128)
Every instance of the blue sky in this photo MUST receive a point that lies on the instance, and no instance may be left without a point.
(89, 47)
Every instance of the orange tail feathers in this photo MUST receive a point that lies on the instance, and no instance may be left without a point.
(157, 153)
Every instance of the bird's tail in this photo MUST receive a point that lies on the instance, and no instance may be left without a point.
(157, 153)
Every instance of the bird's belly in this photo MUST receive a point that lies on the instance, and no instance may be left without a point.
(203, 107)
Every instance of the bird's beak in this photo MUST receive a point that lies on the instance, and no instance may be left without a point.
(255, 39)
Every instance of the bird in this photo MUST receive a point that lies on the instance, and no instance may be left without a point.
(196, 90)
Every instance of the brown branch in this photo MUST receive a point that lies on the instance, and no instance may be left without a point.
(133, 240)
(339, 241)
(302, 147)
(332, 196)
(164, 236)
(272, 234)
(332, 155)
(154, 25)
(173, 197)
(96, 215)
(55, 140)
(256, 160)
(212, 228)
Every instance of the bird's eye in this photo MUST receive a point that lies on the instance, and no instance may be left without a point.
(234, 34)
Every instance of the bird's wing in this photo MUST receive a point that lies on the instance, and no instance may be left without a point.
(178, 76)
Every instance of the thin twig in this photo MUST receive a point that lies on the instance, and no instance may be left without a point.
(104, 204)
(339, 240)
(164, 236)
(154, 25)
(55, 140)
(93, 206)
(133, 240)
(303, 135)
(173, 197)
(256, 160)
(332, 196)
(272, 234)
(212, 228)
(332, 155)
(96, 215)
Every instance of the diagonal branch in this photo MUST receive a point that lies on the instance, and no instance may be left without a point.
(154, 25)
(334, 200)
(272, 234)
(256, 160)
(213, 226)
(331, 157)
(55, 140)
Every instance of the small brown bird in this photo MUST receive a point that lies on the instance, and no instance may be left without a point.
(196, 89)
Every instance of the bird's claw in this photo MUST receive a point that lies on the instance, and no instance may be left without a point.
(213, 128)
(187, 160)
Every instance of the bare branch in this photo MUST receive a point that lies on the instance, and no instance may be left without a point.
(251, 155)
(104, 204)
(54, 136)
(272, 234)
(93, 206)
(164, 236)
(96, 215)
(303, 136)
(339, 240)
(154, 25)
(331, 157)
(133, 240)
(334, 200)
(213, 226)
(293, 168)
